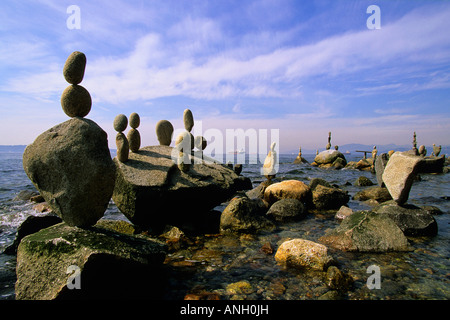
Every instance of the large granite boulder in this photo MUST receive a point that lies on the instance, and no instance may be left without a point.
(151, 191)
(366, 232)
(91, 263)
(412, 220)
(399, 174)
(71, 166)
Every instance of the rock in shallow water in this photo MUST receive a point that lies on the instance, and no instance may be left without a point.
(412, 220)
(71, 166)
(245, 215)
(366, 232)
(111, 264)
(301, 253)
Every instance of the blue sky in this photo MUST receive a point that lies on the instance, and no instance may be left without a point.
(303, 67)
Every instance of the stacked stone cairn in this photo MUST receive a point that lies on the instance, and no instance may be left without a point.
(123, 147)
(70, 164)
(184, 143)
(133, 136)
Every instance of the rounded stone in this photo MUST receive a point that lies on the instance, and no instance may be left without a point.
(164, 132)
(76, 101)
(120, 122)
(74, 67)
(123, 148)
(134, 140)
(135, 120)
(188, 120)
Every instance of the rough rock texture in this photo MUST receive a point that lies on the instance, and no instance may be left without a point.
(330, 158)
(412, 220)
(285, 210)
(326, 198)
(343, 213)
(376, 193)
(301, 253)
(399, 174)
(366, 232)
(112, 264)
(288, 189)
(70, 164)
(245, 215)
(380, 164)
(76, 101)
(30, 225)
(151, 191)
(74, 67)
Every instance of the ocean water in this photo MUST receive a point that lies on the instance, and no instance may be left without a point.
(215, 262)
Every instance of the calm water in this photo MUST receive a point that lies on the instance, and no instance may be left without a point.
(214, 262)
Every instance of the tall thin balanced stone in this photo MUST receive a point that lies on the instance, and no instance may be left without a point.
(188, 120)
(123, 148)
(133, 136)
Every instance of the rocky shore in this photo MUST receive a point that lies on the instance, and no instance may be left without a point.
(171, 195)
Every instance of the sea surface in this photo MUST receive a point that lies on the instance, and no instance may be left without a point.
(217, 261)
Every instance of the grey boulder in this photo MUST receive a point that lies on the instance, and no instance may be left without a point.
(71, 166)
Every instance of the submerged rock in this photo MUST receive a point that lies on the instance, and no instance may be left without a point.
(412, 220)
(366, 232)
(301, 253)
(71, 166)
(151, 191)
(110, 264)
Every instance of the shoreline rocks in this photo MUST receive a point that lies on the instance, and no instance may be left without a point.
(366, 232)
(111, 264)
(301, 253)
(412, 220)
(151, 191)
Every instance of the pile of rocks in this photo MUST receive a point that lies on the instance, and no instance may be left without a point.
(71, 166)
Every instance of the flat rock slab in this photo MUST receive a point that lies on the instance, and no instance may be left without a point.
(151, 191)
(108, 262)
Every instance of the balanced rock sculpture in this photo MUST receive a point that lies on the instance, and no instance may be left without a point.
(123, 148)
(75, 100)
(70, 164)
(269, 167)
(133, 136)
